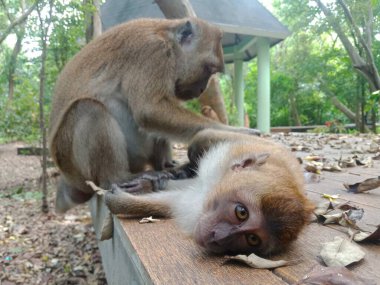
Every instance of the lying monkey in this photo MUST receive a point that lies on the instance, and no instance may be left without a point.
(248, 195)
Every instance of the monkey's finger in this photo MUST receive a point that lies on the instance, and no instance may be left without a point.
(171, 164)
(136, 186)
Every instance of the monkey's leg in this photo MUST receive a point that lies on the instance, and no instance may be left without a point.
(162, 154)
(157, 204)
(69, 196)
(88, 145)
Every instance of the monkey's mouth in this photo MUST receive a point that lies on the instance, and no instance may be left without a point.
(191, 91)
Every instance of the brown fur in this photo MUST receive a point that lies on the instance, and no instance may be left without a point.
(116, 103)
(212, 101)
(257, 173)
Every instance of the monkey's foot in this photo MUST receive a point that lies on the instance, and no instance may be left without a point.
(149, 181)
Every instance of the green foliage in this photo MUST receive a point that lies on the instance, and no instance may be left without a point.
(19, 193)
(19, 118)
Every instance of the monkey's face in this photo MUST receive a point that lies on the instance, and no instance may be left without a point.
(231, 225)
(199, 55)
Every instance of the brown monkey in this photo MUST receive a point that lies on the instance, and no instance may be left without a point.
(248, 195)
(208, 112)
(212, 101)
(116, 103)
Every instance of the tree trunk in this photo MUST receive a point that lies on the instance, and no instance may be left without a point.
(365, 67)
(44, 32)
(17, 22)
(93, 22)
(294, 112)
(12, 64)
(173, 9)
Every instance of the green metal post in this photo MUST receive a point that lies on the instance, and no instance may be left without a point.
(239, 90)
(263, 85)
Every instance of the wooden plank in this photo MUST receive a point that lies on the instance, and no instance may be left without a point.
(160, 254)
(172, 258)
(308, 247)
(332, 187)
(120, 260)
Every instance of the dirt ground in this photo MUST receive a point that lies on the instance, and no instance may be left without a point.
(39, 248)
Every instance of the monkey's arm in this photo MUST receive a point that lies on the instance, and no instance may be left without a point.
(152, 204)
(168, 118)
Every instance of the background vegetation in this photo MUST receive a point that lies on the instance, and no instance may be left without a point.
(316, 76)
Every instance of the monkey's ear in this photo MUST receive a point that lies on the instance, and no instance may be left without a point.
(253, 160)
(185, 33)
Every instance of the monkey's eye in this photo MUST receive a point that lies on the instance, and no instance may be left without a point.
(253, 239)
(241, 212)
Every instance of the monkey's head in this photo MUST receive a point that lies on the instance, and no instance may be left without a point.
(258, 207)
(199, 54)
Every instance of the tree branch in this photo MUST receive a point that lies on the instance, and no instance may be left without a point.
(368, 70)
(351, 20)
(18, 21)
(176, 9)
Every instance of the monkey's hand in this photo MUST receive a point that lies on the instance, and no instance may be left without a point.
(184, 171)
(146, 182)
(246, 131)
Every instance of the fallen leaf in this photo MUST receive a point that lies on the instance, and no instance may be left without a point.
(347, 162)
(366, 162)
(361, 236)
(377, 156)
(336, 275)
(333, 167)
(311, 177)
(324, 207)
(258, 262)
(313, 157)
(341, 252)
(331, 198)
(107, 227)
(366, 185)
(374, 148)
(355, 214)
(148, 220)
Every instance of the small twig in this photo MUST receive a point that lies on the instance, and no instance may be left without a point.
(148, 220)
(97, 190)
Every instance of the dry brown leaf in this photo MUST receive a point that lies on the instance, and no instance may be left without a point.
(313, 157)
(311, 177)
(347, 162)
(314, 167)
(341, 252)
(333, 167)
(336, 275)
(366, 162)
(324, 207)
(361, 236)
(366, 185)
(374, 148)
(107, 227)
(258, 262)
(377, 156)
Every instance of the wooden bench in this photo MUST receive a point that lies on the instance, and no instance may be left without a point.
(158, 253)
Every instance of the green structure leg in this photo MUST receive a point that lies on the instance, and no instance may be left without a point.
(263, 85)
(239, 90)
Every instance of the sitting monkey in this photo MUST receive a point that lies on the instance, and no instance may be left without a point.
(116, 105)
